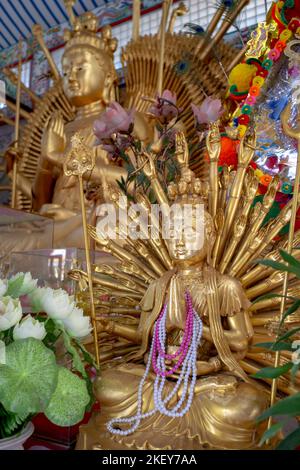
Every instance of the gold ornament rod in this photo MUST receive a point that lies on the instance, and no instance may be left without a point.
(14, 79)
(136, 17)
(211, 27)
(162, 34)
(37, 31)
(294, 133)
(17, 127)
(224, 28)
(69, 7)
(238, 58)
(79, 160)
(11, 105)
(89, 269)
(5, 119)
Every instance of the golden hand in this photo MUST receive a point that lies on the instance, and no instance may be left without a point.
(105, 325)
(182, 150)
(148, 165)
(239, 226)
(54, 139)
(247, 149)
(213, 142)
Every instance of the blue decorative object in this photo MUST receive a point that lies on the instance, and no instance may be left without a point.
(277, 106)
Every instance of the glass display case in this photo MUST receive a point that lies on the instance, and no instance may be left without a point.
(20, 231)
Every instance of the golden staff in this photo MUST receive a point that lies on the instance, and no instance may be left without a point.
(293, 132)
(162, 35)
(17, 128)
(37, 32)
(79, 160)
(136, 19)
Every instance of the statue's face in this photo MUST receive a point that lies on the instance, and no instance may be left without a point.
(188, 242)
(83, 77)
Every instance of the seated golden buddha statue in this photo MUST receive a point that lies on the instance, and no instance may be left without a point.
(184, 388)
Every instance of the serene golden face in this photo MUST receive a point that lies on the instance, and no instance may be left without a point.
(84, 76)
(190, 242)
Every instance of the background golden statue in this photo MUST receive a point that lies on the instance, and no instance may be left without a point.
(185, 73)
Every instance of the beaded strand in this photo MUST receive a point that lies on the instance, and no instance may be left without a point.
(187, 354)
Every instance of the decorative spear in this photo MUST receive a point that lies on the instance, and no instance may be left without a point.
(17, 128)
(162, 35)
(136, 16)
(79, 160)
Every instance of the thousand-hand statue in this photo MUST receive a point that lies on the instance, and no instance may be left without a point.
(184, 384)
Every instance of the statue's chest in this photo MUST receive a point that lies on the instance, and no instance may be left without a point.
(198, 291)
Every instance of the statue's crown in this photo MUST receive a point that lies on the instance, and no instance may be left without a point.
(84, 33)
(188, 189)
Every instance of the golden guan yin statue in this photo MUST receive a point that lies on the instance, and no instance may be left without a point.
(161, 386)
(88, 83)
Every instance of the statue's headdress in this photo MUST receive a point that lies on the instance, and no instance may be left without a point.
(188, 189)
(84, 34)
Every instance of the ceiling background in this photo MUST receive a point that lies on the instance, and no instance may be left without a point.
(18, 16)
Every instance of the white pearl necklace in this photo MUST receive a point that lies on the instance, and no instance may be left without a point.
(188, 369)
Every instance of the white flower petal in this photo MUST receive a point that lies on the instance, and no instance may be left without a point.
(29, 328)
(10, 312)
(29, 284)
(78, 325)
(57, 303)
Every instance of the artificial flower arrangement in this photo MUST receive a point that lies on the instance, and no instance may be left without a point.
(33, 378)
(115, 132)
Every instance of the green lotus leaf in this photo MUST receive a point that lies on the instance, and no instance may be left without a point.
(29, 377)
(69, 401)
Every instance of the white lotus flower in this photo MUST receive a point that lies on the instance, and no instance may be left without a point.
(57, 303)
(3, 287)
(29, 328)
(2, 353)
(10, 312)
(36, 298)
(28, 283)
(78, 325)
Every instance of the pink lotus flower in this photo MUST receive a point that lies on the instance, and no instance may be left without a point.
(165, 108)
(209, 111)
(115, 119)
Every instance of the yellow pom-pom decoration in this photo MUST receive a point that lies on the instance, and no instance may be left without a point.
(242, 130)
(258, 173)
(258, 81)
(241, 76)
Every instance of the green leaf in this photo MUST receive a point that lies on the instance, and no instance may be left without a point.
(77, 362)
(288, 334)
(279, 266)
(28, 378)
(274, 296)
(272, 372)
(89, 359)
(291, 441)
(69, 401)
(292, 309)
(291, 260)
(271, 432)
(14, 287)
(288, 406)
(275, 346)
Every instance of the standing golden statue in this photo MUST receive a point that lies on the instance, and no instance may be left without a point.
(98, 81)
